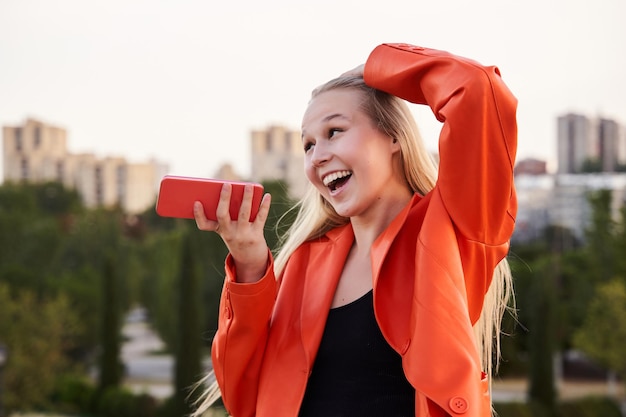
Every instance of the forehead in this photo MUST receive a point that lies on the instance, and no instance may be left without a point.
(343, 102)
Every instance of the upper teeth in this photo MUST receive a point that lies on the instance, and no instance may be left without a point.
(335, 176)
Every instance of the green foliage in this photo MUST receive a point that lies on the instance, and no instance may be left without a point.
(188, 341)
(603, 333)
(110, 369)
(52, 198)
(37, 332)
(584, 407)
(542, 335)
(52, 255)
(160, 256)
(601, 237)
(117, 402)
(518, 409)
(589, 407)
(26, 240)
(591, 165)
(620, 245)
(73, 394)
(76, 395)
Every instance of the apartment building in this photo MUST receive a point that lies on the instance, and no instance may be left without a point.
(591, 156)
(587, 144)
(37, 152)
(277, 155)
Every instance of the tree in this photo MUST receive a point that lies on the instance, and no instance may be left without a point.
(188, 358)
(111, 368)
(601, 237)
(591, 165)
(541, 336)
(620, 244)
(603, 334)
(37, 332)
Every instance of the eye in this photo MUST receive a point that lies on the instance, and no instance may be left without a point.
(308, 145)
(333, 130)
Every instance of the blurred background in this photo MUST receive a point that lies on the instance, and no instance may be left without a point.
(108, 310)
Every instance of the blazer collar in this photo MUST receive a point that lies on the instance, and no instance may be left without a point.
(323, 270)
(381, 245)
(324, 266)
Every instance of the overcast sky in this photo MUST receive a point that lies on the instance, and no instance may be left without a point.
(186, 81)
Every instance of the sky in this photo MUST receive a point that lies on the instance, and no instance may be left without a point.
(186, 81)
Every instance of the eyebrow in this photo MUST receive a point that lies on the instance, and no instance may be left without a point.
(333, 116)
(328, 119)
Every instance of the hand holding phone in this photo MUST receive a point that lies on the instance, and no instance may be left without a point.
(177, 195)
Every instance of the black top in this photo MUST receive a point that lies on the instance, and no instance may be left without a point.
(356, 372)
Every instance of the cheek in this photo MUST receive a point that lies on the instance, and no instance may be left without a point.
(309, 171)
(311, 175)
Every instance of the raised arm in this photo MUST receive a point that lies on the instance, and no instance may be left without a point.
(478, 139)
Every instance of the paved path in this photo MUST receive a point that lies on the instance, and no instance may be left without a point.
(147, 370)
(151, 372)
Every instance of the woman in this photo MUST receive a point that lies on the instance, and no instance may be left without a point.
(388, 292)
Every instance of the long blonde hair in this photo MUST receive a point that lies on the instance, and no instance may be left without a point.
(316, 216)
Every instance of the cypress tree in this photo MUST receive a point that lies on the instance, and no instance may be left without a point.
(188, 360)
(542, 336)
(110, 364)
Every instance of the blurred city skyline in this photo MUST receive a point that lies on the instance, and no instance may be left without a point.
(186, 82)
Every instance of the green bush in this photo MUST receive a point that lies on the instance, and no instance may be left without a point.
(146, 406)
(167, 408)
(511, 410)
(77, 395)
(584, 407)
(115, 402)
(589, 407)
(73, 394)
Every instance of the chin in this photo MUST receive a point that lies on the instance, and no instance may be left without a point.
(344, 211)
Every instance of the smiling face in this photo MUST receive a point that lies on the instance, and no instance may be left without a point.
(348, 159)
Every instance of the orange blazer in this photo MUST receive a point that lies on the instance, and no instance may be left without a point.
(431, 266)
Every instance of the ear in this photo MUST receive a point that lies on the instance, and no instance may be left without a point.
(395, 145)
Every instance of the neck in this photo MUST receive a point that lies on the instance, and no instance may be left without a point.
(367, 229)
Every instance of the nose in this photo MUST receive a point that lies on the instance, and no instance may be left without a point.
(320, 155)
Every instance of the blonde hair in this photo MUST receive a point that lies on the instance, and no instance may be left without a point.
(316, 216)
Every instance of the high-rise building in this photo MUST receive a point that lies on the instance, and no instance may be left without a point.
(37, 152)
(608, 132)
(589, 144)
(34, 151)
(277, 155)
(574, 143)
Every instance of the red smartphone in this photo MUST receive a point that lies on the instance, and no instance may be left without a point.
(177, 195)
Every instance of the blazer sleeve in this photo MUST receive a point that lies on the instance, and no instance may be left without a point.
(478, 140)
(239, 344)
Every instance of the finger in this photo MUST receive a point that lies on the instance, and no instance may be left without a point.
(202, 221)
(246, 203)
(223, 206)
(264, 209)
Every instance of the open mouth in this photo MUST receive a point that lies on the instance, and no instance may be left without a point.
(336, 180)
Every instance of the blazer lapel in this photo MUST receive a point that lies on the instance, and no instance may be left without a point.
(383, 242)
(323, 271)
